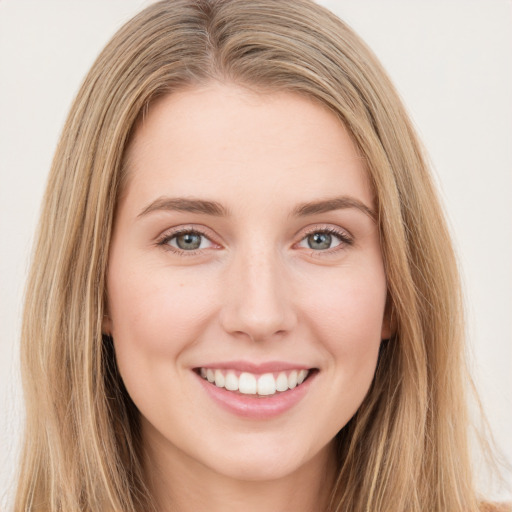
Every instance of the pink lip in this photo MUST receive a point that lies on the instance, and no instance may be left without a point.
(256, 368)
(252, 406)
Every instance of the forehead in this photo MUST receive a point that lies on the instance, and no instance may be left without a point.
(229, 141)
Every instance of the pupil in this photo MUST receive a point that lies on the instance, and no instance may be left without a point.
(319, 241)
(188, 241)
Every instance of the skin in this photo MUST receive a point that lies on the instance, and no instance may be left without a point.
(254, 291)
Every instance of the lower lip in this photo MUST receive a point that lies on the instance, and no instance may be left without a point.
(254, 406)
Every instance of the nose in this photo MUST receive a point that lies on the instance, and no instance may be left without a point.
(257, 297)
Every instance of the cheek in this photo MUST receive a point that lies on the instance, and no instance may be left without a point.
(156, 315)
(351, 305)
(348, 323)
(347, 316)
(156, 312)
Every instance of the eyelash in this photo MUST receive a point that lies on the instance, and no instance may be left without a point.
(345, 240)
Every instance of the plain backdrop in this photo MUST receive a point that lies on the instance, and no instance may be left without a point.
(451, 61)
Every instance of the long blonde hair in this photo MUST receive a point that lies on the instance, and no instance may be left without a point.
(406, 449)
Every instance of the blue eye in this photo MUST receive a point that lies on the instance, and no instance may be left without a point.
(319, 241)
(323, 240)
(188, 241)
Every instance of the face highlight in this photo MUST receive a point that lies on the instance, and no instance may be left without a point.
(246, 288)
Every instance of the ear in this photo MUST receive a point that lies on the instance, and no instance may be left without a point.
(388, 321)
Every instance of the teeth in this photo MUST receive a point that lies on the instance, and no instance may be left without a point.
(219, 379)
(282, 382)
(266, 384)
(247, 384)
(301, 376)
(250, 384)
(231, 383)
(292, 379)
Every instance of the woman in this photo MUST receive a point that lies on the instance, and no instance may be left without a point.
(268, 311)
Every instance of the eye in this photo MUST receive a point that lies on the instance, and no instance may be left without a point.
(187, 241)
(324, 239)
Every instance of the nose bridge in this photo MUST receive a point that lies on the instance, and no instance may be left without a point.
(258, 296)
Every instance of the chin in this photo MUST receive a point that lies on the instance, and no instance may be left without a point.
(267, 460)
(260, 470)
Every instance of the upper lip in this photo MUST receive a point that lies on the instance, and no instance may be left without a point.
(263, 367)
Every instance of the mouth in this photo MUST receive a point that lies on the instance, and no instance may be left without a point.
(254, 384)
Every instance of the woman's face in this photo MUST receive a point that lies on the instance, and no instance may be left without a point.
(245, 255)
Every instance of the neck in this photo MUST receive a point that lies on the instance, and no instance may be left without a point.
(181, 484)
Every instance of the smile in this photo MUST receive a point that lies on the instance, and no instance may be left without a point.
(248, 383)
(256, 392)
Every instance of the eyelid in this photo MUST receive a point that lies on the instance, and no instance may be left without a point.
(314, 228)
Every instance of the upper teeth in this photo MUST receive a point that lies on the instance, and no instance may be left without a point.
(251, 384)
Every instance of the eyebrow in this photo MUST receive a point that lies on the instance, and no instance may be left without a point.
(331, 204)
(181, 204)
(214, 208)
